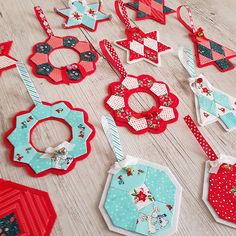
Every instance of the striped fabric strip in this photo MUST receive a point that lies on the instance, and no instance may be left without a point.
(187, 59)
(28, 82)
(112, 134)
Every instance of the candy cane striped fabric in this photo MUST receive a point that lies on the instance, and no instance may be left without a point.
(28, 82)
(112, 134)
(187, 59)
(201, 140)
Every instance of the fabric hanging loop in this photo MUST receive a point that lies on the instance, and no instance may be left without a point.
(201, 140)
(28, 83)
(191, 26)
(122, 13)
(111, 55)
(43, 21)
(112, 134)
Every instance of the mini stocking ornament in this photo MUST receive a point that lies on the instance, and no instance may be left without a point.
(219, 190)
(207, 51)
(81, 14)
(139, 45)
(57, 160)
(212, 104)
(73, 73)
(140, 197)
(25, 211)
(6, 61)
(157, 118)
(151, 9)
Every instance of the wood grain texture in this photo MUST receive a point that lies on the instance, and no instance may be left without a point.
(77, 194)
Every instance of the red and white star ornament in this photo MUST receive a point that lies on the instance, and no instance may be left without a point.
(6, 61)
(219, 188)
(139, 45)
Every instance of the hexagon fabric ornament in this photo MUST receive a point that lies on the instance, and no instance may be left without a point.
(140, 197)
(57, 160)
(25, 211)
(144, 201)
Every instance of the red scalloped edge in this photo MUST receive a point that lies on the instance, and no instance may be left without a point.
(64, 81)
(125, 124)
(29, 170)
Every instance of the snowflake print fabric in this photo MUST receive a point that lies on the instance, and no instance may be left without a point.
(81, 14)
(139, 45)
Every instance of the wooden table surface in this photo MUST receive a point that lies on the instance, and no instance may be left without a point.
(76, 195)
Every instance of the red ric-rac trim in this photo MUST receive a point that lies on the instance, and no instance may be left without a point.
(201, 140)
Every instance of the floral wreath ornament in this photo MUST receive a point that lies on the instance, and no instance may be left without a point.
(139, 45)
(219, 190)
(207, 51)
(212, 104)
(58, 160)
(140, 197)
(81, 14)
(40, 58)
(157, 118)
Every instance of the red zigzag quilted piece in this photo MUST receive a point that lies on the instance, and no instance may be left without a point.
(32, 208)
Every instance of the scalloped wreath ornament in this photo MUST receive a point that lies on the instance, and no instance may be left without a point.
(58, 160)
(157, 118)
(40, 62)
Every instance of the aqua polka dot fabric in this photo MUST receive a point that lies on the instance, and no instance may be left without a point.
(142, 199)
(24, 152)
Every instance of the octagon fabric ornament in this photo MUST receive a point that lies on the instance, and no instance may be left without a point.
(157, 118)
(212, 104)
(219, 189)
(139, 45)
(207, 51)
(81, 14)
(151, 9)
(57, 160)
(40, 58)
(140, 197)
(24, 210)
(6, 61)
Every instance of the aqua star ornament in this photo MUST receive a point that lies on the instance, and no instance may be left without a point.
(81, 14)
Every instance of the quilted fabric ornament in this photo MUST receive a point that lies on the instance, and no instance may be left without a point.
(6, 61)
(24, 210)
(40, 58)
(151, 9)
(212, 104)
(57, 160)
(157, 118)
(207, 51)
(140, 197)
(139, 45)
(219, 181)
(81, 14)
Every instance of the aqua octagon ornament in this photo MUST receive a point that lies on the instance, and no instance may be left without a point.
(140, 197)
